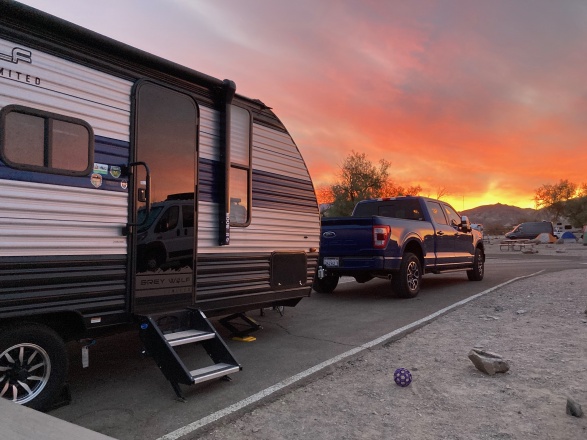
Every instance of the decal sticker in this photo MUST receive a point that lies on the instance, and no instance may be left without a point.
(123, 184)
(115, 171)
(96, 180)
(100, 168)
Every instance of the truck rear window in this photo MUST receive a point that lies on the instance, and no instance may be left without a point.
(406, 209)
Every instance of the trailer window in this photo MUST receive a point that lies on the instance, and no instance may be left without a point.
(240, 167)
(40, 141)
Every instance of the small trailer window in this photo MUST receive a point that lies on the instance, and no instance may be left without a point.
(36, 140)
(240, 167)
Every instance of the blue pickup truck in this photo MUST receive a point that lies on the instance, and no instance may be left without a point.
(401, 239)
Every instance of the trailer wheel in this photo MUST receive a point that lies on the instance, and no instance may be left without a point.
(326, 284)
(33, 365)
(476, 274)
(406, 283)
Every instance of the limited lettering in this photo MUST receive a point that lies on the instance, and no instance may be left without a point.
(19, 76)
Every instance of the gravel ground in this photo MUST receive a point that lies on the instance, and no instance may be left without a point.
(538, 324)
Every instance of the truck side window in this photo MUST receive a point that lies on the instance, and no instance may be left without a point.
(35, 140)
(240, 167)
(437, 213)
(453, 217)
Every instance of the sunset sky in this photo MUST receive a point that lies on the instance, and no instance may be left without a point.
(484, 99)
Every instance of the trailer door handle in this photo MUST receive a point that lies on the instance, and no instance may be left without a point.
(143, 194)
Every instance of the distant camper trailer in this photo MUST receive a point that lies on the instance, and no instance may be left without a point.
(135, 192)
(530, 230)
(478, 227)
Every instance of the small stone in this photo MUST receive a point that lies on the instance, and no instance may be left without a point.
(520, 312)
(573, 408)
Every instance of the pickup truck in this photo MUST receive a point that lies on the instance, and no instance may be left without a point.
(400, 239)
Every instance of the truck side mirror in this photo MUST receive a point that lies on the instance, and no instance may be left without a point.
(465, 224)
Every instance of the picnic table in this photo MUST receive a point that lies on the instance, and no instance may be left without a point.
(515, 245)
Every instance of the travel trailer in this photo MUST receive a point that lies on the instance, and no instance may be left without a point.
(135, 192)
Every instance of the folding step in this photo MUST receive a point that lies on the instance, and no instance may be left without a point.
(213, 372)
(190, 326)
(188, 337)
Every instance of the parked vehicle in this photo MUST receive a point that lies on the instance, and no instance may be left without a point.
(530, 230)
(129, 197)
(399, 238)
(560, 229)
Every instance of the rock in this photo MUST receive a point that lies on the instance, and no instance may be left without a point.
(487, 362)
(520, 312)
(573, 408)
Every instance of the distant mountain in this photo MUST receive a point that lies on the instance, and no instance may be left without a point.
(500, 218)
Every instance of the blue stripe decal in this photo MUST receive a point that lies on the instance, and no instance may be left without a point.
(110, 152)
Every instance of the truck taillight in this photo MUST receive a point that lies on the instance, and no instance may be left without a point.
(381, 236)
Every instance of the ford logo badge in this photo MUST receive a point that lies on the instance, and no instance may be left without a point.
(329, 234)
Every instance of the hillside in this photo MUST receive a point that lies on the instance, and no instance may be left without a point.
(500, 218)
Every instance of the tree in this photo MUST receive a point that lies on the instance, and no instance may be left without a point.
(442, 192)
(576, 211)
(554, 197)
(360, 179)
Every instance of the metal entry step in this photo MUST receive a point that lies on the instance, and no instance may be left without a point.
(213, 372)
(193, 328)
(188, 337)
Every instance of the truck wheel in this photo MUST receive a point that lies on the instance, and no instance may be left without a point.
(476, 274)
(406, 283)
(33, 365)
(326, 284)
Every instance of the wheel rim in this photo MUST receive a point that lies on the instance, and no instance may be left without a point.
(413, 278)
(24, 372)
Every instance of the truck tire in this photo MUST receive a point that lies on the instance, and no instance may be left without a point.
(406, 283)
(476, 274)
(33, 365)
(326, 284)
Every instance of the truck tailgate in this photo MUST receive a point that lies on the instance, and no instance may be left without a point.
(346, 236)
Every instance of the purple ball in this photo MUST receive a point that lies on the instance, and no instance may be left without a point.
(402, 377)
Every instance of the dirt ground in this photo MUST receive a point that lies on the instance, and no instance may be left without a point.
(538, 324)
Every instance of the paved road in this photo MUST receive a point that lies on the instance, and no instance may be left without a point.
(124, 395)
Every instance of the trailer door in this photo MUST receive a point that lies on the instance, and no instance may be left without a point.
(163, 250)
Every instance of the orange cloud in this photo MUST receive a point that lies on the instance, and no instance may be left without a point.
(483, 99)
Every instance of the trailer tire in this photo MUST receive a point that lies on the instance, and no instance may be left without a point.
(33, 364)
(406, 283)
(476, 274)
(326, 284)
